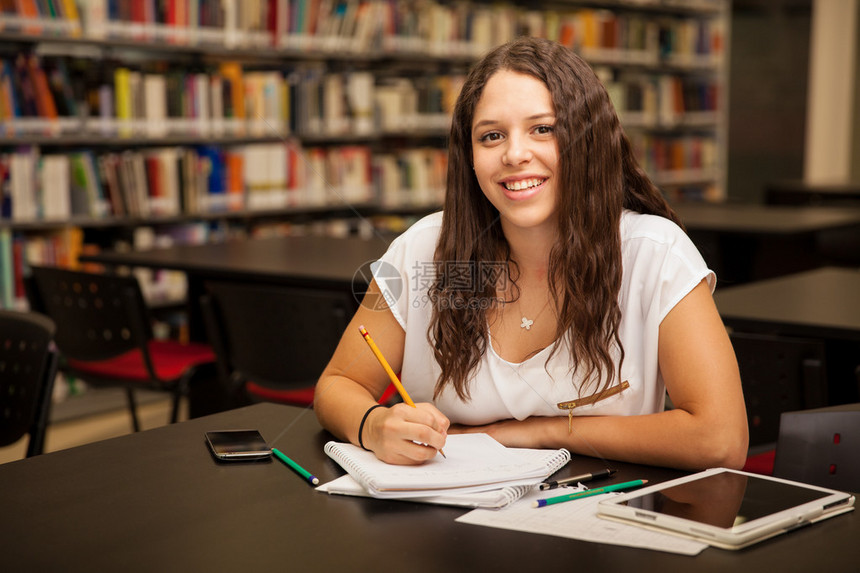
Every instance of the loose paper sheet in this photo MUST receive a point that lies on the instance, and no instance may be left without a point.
(578, 520)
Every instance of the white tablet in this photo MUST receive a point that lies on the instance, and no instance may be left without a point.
(727, 508)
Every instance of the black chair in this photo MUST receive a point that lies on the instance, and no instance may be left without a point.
(821, 447)
(104, 335)
(28, 365)
(779, 374)
(272, 342)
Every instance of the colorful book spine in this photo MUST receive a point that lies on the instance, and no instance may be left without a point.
(122, 100)
(7, 277)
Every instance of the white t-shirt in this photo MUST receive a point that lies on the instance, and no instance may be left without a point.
(660, 266)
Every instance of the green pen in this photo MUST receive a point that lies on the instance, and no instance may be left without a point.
(313, 480)
(590, 492)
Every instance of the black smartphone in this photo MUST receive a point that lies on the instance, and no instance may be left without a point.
(238, 445)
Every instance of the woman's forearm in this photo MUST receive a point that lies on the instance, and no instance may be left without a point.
(674, 438)
(339, 404)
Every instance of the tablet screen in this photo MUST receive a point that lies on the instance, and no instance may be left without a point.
(726, 499)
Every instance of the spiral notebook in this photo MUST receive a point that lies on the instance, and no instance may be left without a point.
(474, 463)
(492, 499)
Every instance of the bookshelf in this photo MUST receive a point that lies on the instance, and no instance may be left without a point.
(194, 120)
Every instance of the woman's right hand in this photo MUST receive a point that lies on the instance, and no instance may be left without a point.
(405, 435)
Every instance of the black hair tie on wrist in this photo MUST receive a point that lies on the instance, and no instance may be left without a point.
(363, 420)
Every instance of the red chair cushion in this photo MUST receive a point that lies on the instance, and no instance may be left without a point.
(298, 397)
(170, 360)
(761, 463)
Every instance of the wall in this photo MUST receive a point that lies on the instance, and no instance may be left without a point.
(768, 78)
(831, 135)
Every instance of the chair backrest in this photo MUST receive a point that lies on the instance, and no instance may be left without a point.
(821, 447)
(276, 336)
(27, 368)
(779, 374)
(98, 316)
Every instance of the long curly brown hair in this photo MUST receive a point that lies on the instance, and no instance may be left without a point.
(599, 178)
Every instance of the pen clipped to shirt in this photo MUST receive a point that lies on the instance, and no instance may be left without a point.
(578, 479)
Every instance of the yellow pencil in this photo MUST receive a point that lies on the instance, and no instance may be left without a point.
(387, 367)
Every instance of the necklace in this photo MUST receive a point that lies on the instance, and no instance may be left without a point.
(527, 322)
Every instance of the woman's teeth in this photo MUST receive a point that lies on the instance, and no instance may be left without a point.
(523, 184)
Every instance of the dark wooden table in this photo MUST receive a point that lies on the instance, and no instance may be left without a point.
(823, 304)
(158, 501)
(298, 261)
(309, 261)
(801, 193)
(744, 243)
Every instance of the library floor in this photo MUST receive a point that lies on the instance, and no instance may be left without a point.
(97, 414)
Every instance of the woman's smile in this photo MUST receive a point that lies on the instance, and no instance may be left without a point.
(522, 189)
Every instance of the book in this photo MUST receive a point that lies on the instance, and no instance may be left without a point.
(123, 103)
(23, 178)
(60, 83)
(44, 99)
(155, 104)
(56, 186)
(473, 463)
(80, 202)
(107, 165)
(7, 281)
(25, 91)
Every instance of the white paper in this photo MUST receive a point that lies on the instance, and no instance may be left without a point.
(578, 519)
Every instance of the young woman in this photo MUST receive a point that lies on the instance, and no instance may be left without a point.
(555, 300)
